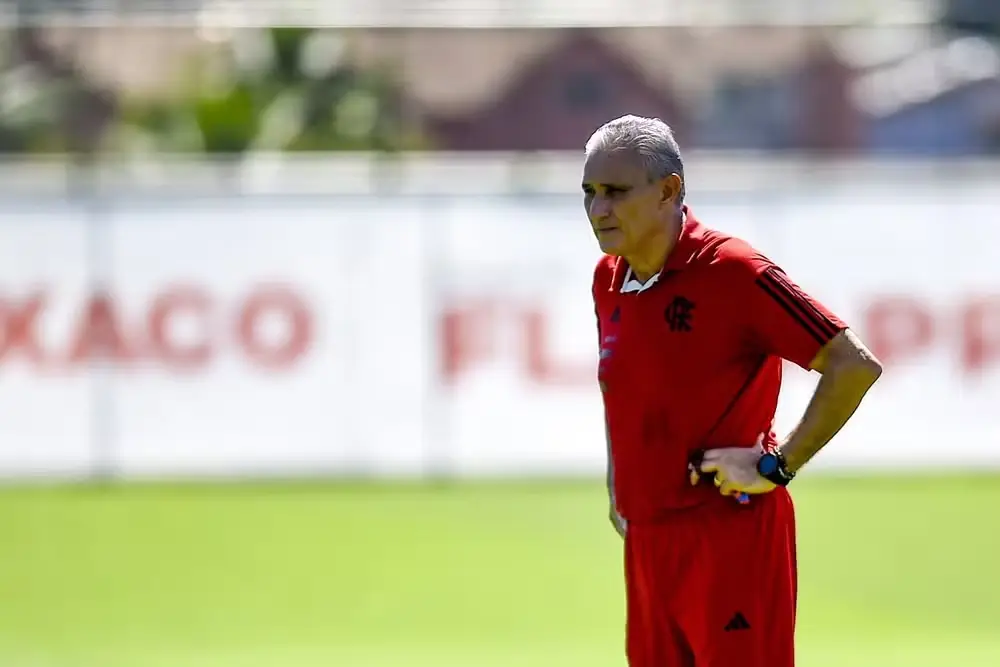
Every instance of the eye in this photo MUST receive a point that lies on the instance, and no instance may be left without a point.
(588, 190)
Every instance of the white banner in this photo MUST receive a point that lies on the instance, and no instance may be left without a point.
(264, 335)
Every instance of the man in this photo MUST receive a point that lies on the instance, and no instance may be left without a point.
(693, 326)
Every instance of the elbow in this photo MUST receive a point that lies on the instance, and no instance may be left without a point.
(868, 365)
(870, 370)
(862, 370)
(851, 359)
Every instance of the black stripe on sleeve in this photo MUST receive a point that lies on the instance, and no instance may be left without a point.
(788, 295)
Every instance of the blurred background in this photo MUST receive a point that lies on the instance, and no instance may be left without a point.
(297, 343)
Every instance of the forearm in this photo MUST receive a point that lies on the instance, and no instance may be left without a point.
(837, 397)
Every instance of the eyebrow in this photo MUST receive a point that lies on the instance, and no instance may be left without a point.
(617, 186)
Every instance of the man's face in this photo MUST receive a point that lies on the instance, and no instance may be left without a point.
(624, 207)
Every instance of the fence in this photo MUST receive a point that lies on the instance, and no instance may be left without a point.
(432, 315)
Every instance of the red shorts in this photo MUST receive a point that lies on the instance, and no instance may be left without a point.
(714, 586)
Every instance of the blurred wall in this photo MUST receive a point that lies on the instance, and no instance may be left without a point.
(341, 237)
(355, 316)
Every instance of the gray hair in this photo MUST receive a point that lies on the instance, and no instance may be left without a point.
(651, 139)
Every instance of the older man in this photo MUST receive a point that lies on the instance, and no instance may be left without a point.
(693, 326)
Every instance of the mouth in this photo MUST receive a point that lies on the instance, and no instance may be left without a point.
(601, 230)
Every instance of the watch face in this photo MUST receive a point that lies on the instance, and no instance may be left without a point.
(768, 464)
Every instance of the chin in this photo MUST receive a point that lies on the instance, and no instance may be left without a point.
(611, 242)
(614, 249)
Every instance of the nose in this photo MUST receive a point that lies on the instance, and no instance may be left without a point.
(600, 208)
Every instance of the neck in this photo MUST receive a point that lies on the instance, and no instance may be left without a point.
(649, 261)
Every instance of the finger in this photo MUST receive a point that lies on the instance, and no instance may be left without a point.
(693, 475)
(719, 481)
(728, 489)
(709, 466)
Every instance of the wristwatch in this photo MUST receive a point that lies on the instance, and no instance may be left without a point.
(773, 468)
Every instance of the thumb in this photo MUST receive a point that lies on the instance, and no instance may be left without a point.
(761, 440)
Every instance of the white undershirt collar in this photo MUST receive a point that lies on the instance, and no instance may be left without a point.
(633, 284)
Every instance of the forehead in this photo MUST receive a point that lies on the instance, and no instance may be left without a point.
(620, 165)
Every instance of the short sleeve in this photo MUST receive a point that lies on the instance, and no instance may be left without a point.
(782, 319)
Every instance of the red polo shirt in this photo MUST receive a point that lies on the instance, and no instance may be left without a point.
(693, 361)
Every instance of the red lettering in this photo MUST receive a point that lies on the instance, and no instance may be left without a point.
(467, 338)
(180, 330)
(981, 334)
(179, 305)
(99, 334)
(898, 328)
(18, 322)
(275, 302)
(471, 335)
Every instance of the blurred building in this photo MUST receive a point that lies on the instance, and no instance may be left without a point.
(841, 88)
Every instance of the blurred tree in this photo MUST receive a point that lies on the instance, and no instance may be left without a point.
(46, 103)
(276, 89)
(229, 123)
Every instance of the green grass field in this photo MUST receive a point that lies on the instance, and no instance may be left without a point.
(895, 572)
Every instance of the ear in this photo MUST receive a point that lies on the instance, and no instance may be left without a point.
(670, 189)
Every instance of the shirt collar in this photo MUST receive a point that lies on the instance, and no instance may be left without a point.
(688, 243)
(631, 284)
